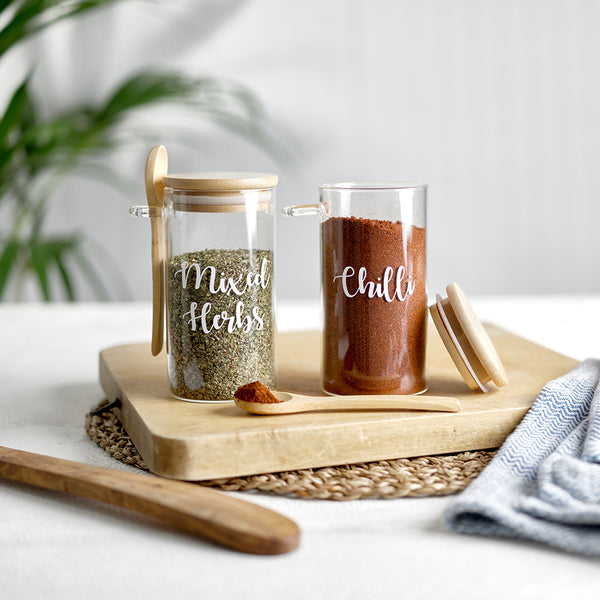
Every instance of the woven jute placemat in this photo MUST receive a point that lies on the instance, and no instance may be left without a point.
(423, 476)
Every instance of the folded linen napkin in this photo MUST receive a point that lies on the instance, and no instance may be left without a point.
(544, 482)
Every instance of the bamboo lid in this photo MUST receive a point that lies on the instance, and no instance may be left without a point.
(220, 181)
(466, 340)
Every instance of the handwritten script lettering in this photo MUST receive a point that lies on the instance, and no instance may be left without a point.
(223, 320)
(221, 284)
(202, 316)
(392, 286)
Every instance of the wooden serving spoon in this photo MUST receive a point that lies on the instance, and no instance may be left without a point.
(286, 403)
(234, 523)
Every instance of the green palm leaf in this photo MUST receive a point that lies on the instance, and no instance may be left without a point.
(8, 259)
(32, 16)
(12, 114)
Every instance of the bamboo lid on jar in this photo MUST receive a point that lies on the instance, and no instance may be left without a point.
(220, 181)
(220, 191)
(466, 340)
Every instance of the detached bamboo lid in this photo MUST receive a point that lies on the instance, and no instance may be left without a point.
(466, 340)
(220, 181)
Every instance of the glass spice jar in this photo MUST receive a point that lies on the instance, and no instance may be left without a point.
(218, 271)
(373, 286)
(219, 275)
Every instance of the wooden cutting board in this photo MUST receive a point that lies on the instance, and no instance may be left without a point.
(191, 441)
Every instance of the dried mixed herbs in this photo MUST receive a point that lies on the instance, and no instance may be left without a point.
(220, 322)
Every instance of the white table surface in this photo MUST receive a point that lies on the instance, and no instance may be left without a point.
(58, 546)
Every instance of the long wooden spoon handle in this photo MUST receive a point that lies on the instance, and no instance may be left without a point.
(234, 523)
(155, 171)
(434, 403)
(298, 404)
(158, 286)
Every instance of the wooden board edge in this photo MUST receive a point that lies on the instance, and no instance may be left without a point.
(152, 447)
(400, 443)
(138, 431)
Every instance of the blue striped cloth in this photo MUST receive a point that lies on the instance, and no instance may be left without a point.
(544, 483)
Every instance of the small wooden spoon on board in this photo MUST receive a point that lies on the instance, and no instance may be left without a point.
(210, 514)
(285, 403)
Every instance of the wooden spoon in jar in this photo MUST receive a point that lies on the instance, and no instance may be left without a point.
(155, 171)
(257, 399)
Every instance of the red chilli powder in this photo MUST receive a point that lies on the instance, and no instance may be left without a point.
(375, 306)
(256, 392)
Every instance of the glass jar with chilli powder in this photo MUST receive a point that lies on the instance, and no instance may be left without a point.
(218, 270)
(373, 286)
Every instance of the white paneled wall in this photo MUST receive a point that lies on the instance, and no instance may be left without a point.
(494, 103)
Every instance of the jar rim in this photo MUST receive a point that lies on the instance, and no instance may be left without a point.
(374, 185)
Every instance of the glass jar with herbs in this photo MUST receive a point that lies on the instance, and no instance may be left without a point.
(214, 273)
(219, 283)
